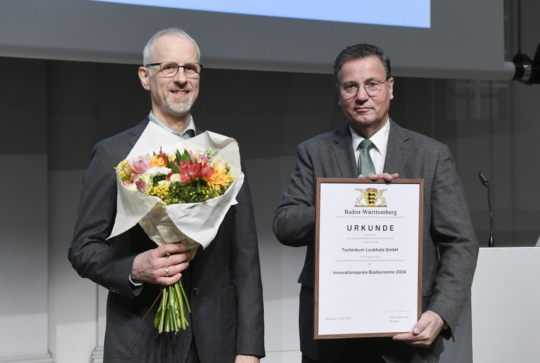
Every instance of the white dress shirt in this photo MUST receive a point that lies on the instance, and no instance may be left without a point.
(378, 151)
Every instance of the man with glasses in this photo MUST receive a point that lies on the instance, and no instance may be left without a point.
(374, 146)
(223, 282)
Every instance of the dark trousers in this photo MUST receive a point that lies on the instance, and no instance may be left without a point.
(384, 350)
(193, 356)
(353, 352)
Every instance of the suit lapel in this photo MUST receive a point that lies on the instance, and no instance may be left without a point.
(135, 133)
(344, 154)
(397, 151)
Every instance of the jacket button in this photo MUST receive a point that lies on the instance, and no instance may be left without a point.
(195, 291)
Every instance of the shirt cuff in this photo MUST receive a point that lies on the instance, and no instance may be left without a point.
(135, 283)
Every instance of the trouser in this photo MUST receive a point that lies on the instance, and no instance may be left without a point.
(193, 356)
(353, 352)
(384, 350)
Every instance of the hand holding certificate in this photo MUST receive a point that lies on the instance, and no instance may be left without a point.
(368, 257)
(424, 332)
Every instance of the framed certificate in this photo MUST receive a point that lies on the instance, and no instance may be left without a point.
(368, 262)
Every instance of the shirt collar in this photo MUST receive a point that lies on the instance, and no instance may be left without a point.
(379, 140)
(189, 132)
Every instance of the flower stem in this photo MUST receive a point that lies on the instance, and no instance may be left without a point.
(171, 314)
(185, 297)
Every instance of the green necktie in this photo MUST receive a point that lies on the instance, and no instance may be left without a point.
(365, 164)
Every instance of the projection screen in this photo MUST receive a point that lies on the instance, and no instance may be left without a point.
(441, 39)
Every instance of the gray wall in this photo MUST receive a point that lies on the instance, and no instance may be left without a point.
(23, 210)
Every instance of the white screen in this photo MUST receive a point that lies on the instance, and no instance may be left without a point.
(465, 38)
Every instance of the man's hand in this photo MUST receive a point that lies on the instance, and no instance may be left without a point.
(385, 176)
(154, 265)
(424, 332)
(246, 359)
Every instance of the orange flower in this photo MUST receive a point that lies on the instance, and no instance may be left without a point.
(220, 179)
(157, 161)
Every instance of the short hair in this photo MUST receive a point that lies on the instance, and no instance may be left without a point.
(360, 51)
(149, 47)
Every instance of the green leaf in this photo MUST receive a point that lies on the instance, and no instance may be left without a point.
(186, 155)
(175, 168)
(197, 184)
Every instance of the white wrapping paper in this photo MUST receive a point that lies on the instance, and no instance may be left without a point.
(191, 223)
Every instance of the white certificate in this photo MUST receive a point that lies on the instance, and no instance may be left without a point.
(368, 257)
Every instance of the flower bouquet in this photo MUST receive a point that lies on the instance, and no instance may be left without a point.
(178, 193)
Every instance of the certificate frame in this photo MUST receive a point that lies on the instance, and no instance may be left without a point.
(318, 334)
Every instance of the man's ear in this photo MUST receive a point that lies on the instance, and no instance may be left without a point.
(391, 87)
(144, 76)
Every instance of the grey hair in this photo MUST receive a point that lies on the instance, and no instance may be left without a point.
(360, 51)
(149, 47)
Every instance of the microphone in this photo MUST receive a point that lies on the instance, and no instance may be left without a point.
(485, 182)
(483, 179)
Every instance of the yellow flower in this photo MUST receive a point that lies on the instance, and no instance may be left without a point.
(124, 171)
(220, 180)
(157, 161)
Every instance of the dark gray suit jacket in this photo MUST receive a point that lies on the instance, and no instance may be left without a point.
(223, 282)
(450, 248)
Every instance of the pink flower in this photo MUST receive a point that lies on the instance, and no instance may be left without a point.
(134, 177)
(140, 163)
(198, 157)
(141, 186)
(127, 183)
(203, 159)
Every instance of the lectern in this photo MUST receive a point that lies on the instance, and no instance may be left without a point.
(505, 305)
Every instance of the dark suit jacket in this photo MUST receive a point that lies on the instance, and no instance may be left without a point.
(223, 282)
(450, 248)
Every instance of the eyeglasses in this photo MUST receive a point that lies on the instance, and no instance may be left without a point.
(169, 69)
(350, 90)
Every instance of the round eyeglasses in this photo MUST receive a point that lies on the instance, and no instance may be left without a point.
(169, 69)
(350, 90)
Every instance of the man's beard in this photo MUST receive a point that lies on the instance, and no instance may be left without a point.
(178, 108)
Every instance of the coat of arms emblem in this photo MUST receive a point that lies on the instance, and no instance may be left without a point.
(371, 196)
